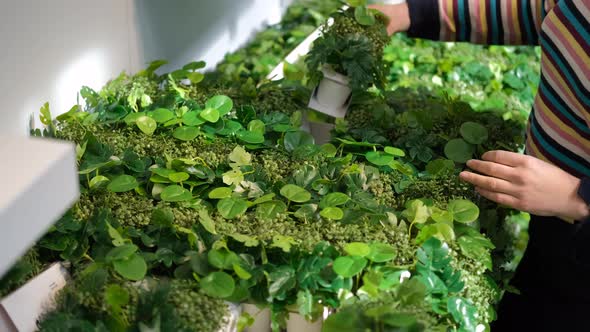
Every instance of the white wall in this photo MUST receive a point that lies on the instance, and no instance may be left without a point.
(181, 31)
(52, 48)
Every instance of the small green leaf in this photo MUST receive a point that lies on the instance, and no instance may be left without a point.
(459, 151)
(210, 114)
(241, 272)
(179, 177)
(218, 284)
(134, 268)
(440, 166)
(98, 181)
(349, 266)
(364, 16)
(240, 157)
(161, 115)
(175, 193)
(230, 208)
(442, 216)
(123, 252)
(394, 151)
(123, 183)
(379, 158)
(257, 126)
(186, 133)
(195, 65)
(474, 133)
(250, 137)
(464, 211)
(334, 199)
(222, 104)
(147, 125)
(332, 213)
(230, 128)
(270, 210)
(222, 259)
(132, 118)
(357, 249)
(207, 222)
(381, 253)
(295, 193)
(116, 296)
(219, 193)
(329, 150)
(192, 119)
(195, 77)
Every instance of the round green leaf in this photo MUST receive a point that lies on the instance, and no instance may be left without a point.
(349, 266)
(395, 151)
(230, 208)
(295, 139)
(186, 133)
(179, 177)
(379, 158)
(334, 199)
(357, 249)
(133, 268)
(381, 253)
(210, 114)
(123, 183)
(364, 16)
(230, 128)
(295, 193)
(329, 150)
(220, 193)
(257, 126)
(147, 125)
(474, 133)
(442, 216)
(98, 181)
(132, 118)
(438, 166)
(459, 151)
(270, 210)
(192, 119)
(463, 211)
(332, 213)
(251, 137)
(195, 77)
(123, 252)
(161, 115)
(222, 259)
(175, 193)
(218, 284)
(222, 104)
(116, 296)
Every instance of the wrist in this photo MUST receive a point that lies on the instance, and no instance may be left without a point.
(578, 208)
(398, 15)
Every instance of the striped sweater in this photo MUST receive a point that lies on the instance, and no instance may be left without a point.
(559, 127)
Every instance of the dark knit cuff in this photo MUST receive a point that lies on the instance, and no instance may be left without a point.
(424, 19)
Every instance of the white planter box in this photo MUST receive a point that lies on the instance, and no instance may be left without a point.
(298, 323)
(261, 318)
(20, 310)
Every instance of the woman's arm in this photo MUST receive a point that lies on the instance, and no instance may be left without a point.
(514, 22)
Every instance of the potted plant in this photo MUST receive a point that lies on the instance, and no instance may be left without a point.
(347, 58)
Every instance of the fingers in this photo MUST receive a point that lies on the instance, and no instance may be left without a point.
(500, 198)
(493, 169)
(491, 184)
(505, 158)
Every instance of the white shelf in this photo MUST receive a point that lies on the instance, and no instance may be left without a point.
(39, 182)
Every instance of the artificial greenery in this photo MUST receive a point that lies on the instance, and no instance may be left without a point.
(199, 189)
(352, 46)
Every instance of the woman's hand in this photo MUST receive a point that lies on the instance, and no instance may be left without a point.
(528, 184)
(399, 16)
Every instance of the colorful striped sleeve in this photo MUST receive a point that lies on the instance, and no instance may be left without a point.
(499, 22)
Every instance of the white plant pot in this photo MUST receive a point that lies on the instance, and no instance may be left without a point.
(261, 318)
(298, 323)
(333, 94)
